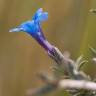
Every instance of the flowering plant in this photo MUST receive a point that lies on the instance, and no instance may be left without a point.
(74, 78)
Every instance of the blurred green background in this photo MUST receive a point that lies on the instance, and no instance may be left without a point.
(70, 27)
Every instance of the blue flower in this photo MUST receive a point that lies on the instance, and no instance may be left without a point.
(33, 27)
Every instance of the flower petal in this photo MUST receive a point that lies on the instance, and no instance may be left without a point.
(43, 16)
(16, 29)
(40, 16)
(39, 11)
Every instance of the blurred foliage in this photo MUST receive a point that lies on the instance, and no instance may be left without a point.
(70, 27)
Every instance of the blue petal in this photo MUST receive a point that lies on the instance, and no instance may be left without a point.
(16, 29)
(40, 16)
(39, 11)
(30, 26)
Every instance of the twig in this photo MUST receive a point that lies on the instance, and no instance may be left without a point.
(66, 84)
(41, 91)
(78, 79)
(77, 84)
(67, 64)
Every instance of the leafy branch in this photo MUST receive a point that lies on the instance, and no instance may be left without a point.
(67, 75)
